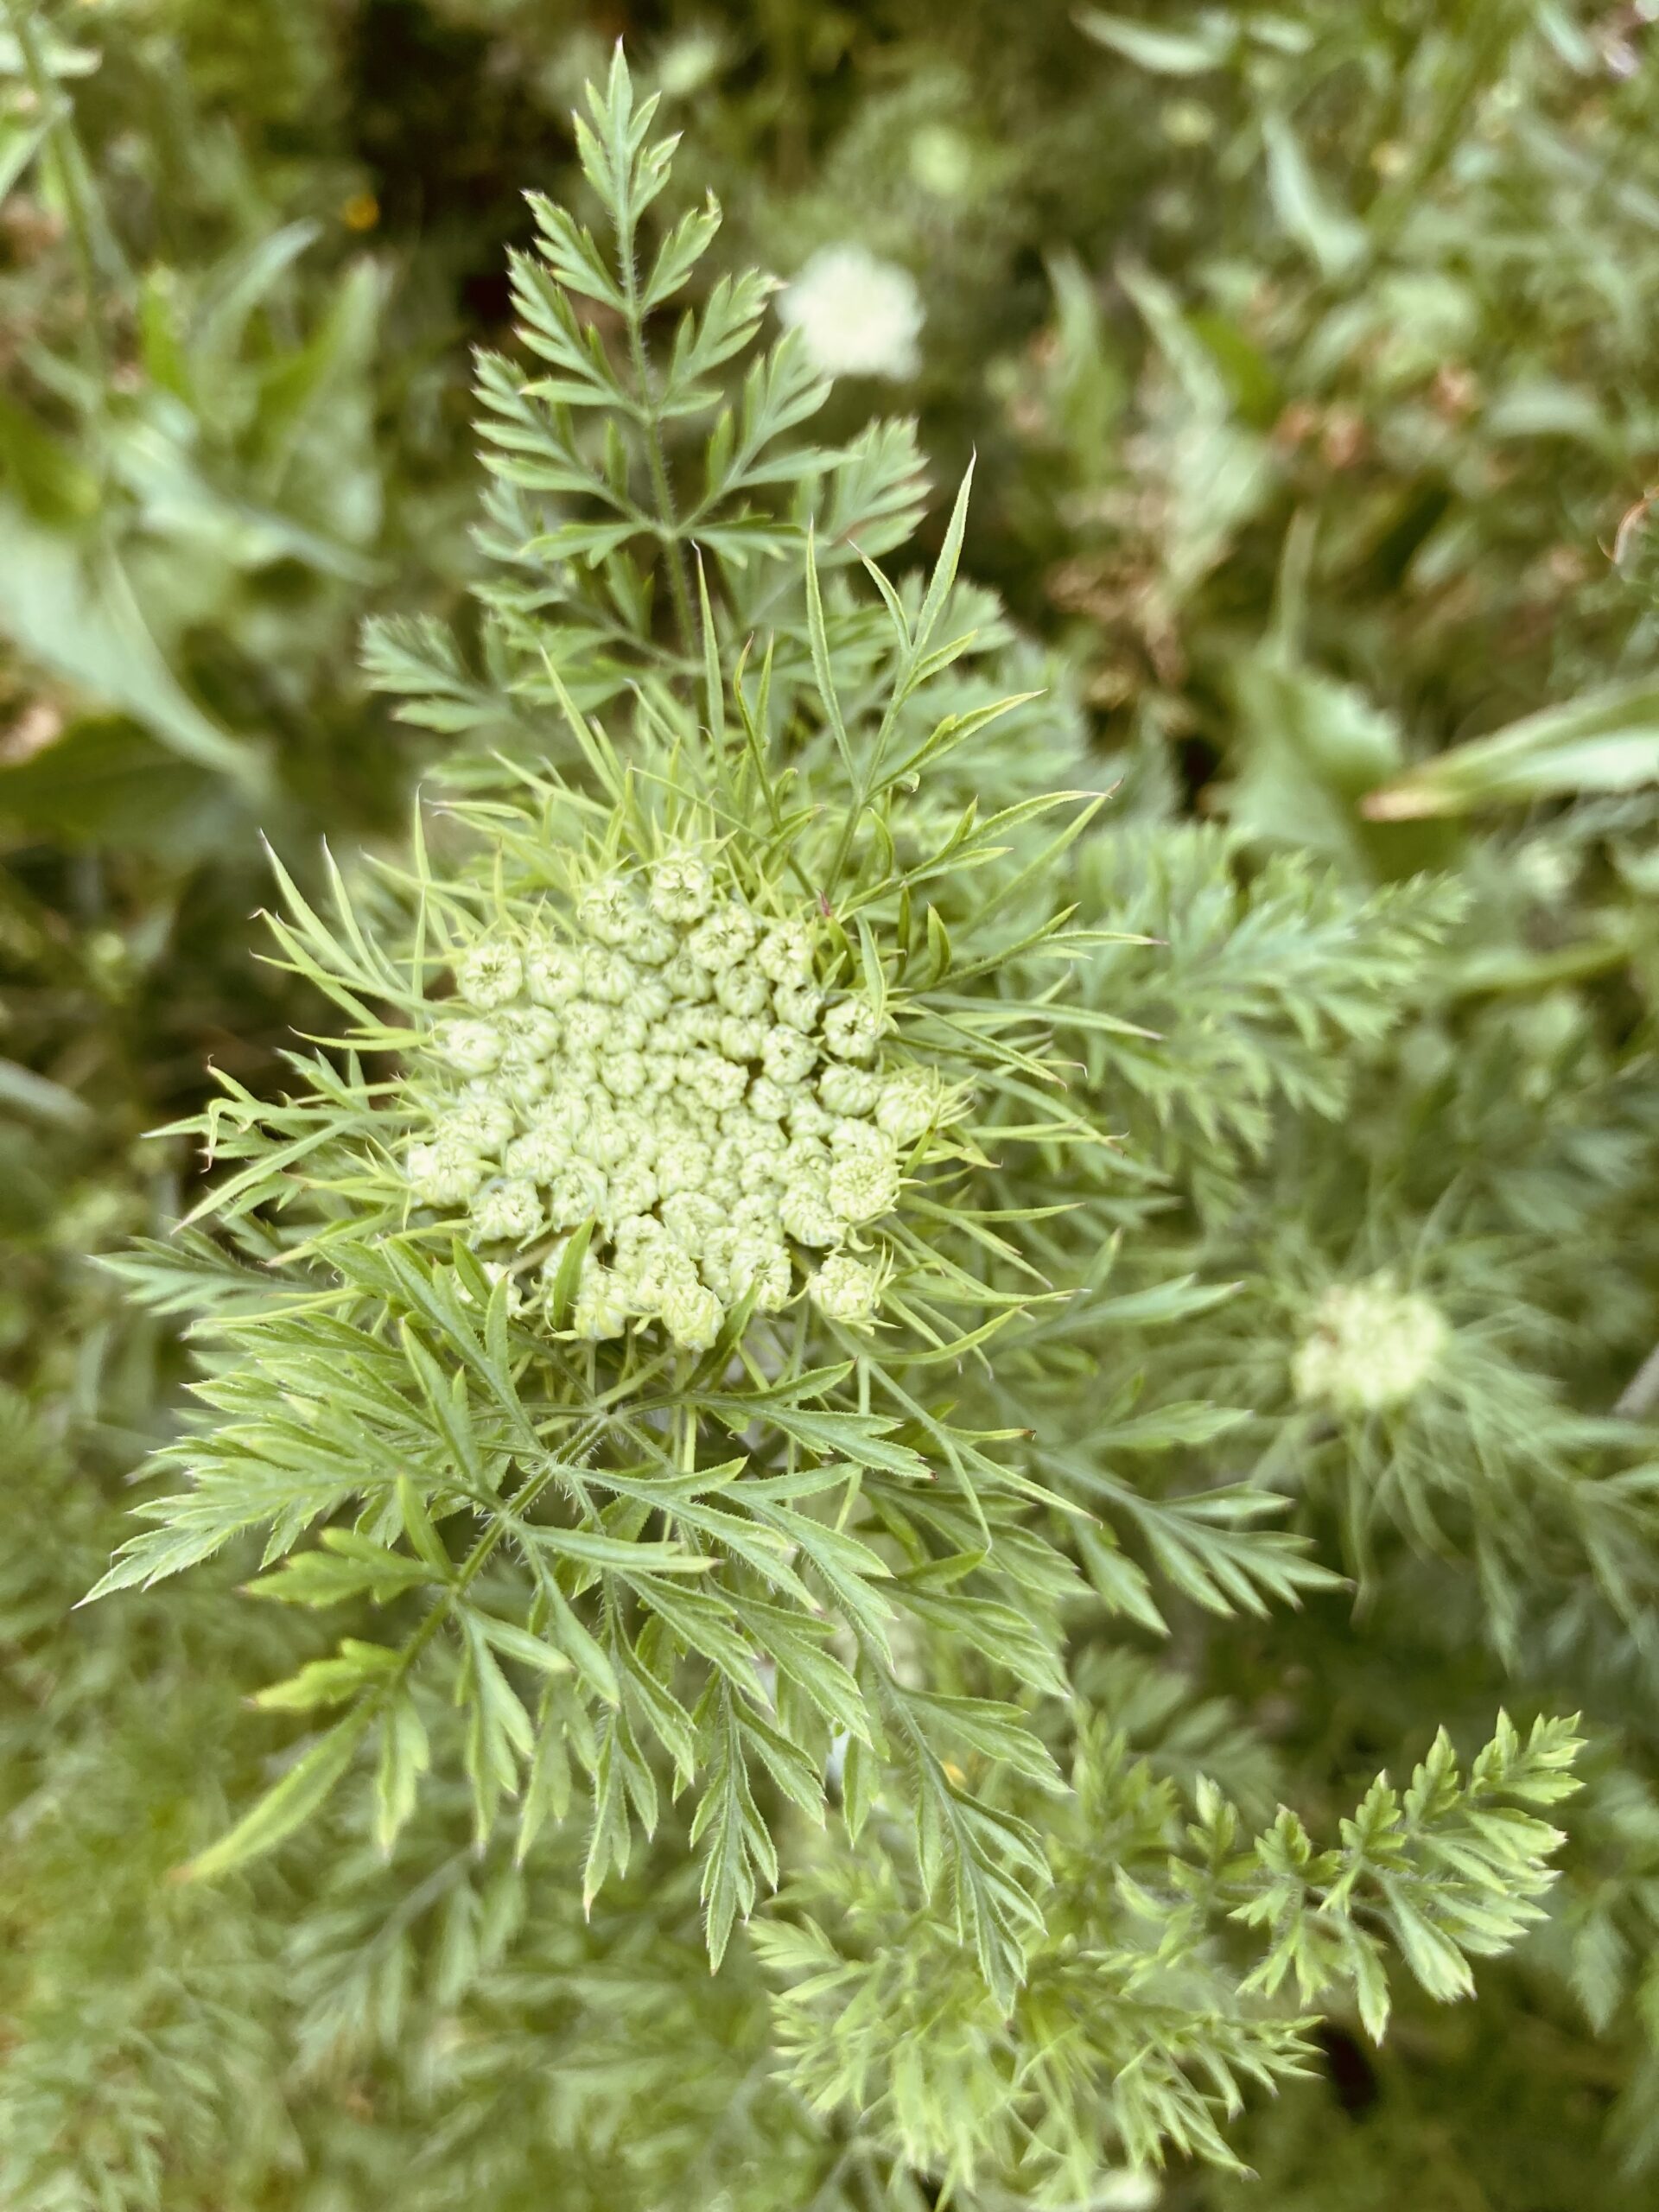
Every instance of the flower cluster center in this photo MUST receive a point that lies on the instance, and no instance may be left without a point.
(662, 1064)
(1372, 1346)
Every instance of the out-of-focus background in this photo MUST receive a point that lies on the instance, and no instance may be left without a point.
(1310, 352)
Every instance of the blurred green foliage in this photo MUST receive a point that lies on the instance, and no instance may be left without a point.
(1309, 354)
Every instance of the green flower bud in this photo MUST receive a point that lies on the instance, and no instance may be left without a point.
(742, 990)
(842, 1089)
(852, 1029)
(492, 974)
(805, 1213)
(864, 1181)
(608, 975)
(691, 1314)
(740, 1040)
(481, 1120)
(473, 1047)
(910, 1103)
(600, 1309)
(508, 1212)
(723, 938)
(845, 1290)
(576, 1194)
(784, 954)
(797, 1006)
(682, 888)
(609, 911)
(444, 1171)
(623, 1074)
(553, 973)
(786, 1056)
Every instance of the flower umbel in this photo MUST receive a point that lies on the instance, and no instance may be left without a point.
(659, 1062)
(1372, 1346)
(858, 317)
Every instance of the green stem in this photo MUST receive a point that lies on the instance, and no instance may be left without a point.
(472, 1566)
(655, 460)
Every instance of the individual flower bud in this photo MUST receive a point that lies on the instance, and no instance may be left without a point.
(724, 1188)
(806, 1118)
(742, 990)
(845, 1290)
(608, 1138)
(601, 1307)
(784, 954)
(623, 1074)
(444, 1172)
(798, 1008)
(473, 1047)
(607, 910)
(481, 1119)
(674, 1034)
(715, 1081)
(730, 1152)
(652, 1000)
(682, 888)
(762, 1165)
(651, 943)
(911, 1103)
(760, 1265)
(691, 1314)
(553, 973)
(850, 1135)
(629, 1029)
(851, 1029)
(657, 1268)
(608, 975)
(805, 1213)
(715, 1262)
(722, 937)
(524, 1082)
(586, 1026)
(767, 1101)
(740, 1040)
(638, 1136)
(683, 1163)
(864, 1182)
(689, 1217)
(576, 1194)
(805, 1155)
(688, 982)
(632, 1192)
(528, 1063)
(534, 1029)
(491, 975)
(543, 1152)
(787, 1056)
(843, 1090)
(508, 1212)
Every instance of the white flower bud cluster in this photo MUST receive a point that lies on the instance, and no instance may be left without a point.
(669, 1069)
(1372, 1346)
(858, 315)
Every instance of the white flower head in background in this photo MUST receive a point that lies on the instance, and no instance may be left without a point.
(858, 317)
(1127, 2189)
(1372, 1346)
